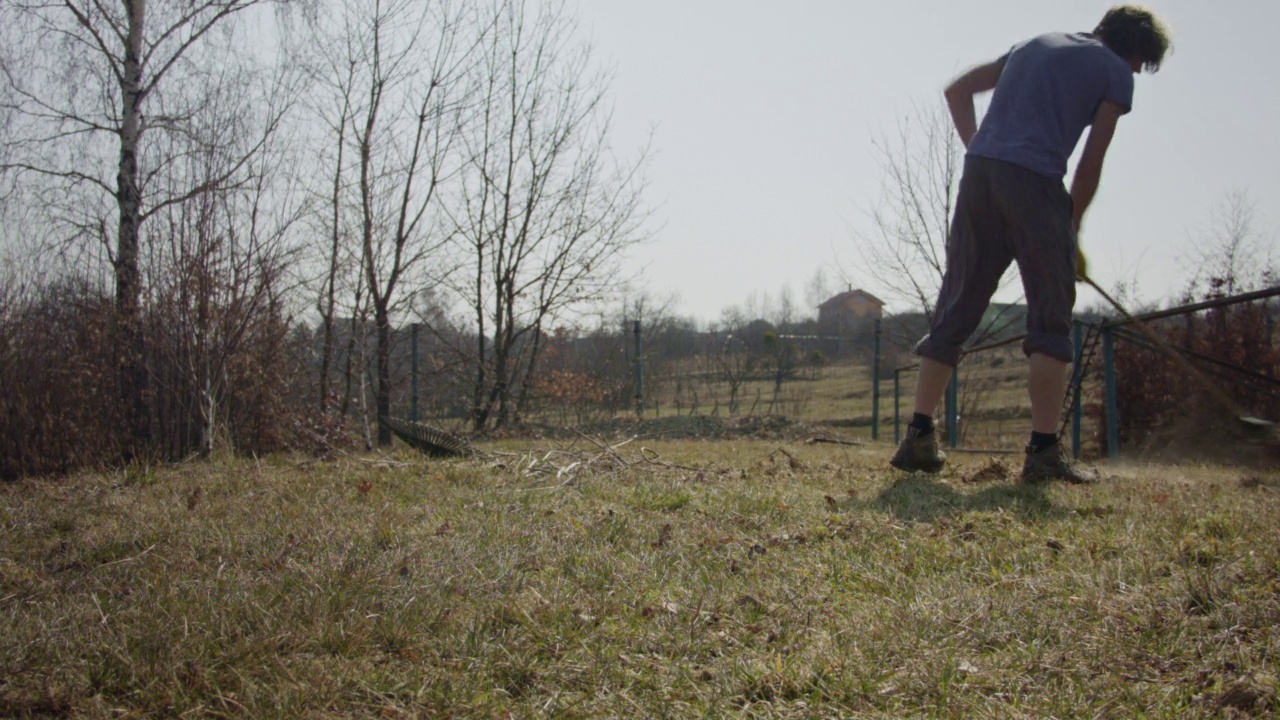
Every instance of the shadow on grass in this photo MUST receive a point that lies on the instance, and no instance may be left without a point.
(922, 498)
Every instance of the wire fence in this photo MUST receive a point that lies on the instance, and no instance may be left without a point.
(857, 384)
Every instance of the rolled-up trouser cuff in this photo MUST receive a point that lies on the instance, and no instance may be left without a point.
(1055, 346)
(933, 349)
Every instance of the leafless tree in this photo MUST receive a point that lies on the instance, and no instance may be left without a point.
(784, 312)
(396, 74)
(336, 76)
(817, 290)
(340, 297)
(545, 210)
(904, 251)
(1230, 254)
(214, 266)
(90, 88)
(732, 360)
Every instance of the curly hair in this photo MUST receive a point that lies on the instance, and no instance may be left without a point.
(1133, 31)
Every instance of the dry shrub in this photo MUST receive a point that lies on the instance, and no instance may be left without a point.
(58, 409)
(582, 379)
(319, 432)
(573, 398)
(1165, 411)
(258, 408)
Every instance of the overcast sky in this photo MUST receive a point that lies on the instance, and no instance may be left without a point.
(762, 115)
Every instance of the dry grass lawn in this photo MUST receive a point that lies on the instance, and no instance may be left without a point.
(651, 579)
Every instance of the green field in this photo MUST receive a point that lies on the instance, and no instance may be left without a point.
(743, 578)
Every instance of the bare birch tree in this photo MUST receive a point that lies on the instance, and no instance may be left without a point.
(546, 210)
(89, 86)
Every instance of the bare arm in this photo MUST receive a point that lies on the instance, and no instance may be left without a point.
(960, 92)
(1089, 170)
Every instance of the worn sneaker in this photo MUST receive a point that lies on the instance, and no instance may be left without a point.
(1052, 463)
(919, 453)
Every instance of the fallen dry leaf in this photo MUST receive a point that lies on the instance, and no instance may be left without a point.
(663, 536)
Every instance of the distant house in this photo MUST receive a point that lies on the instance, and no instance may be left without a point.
(848, 311)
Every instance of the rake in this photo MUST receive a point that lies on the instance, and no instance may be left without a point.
(1195, 373)
(432, 442)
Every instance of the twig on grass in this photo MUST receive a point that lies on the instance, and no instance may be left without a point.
(380, 461)
(828, 439)
(652, 457)
(605, 460)
(609, 449)
(1223, 567)
(792, 462)
(129, 559)
(101, 614)
(1136, 678)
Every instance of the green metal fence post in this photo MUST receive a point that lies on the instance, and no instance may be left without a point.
(897, 418)
(639, 374)
(1113, 410)
(413, 353)
(875, 386)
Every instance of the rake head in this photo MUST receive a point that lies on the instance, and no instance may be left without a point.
(430, 441)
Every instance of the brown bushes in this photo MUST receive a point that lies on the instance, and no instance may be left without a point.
(60, 409)
(58, 406)
(1161, 408)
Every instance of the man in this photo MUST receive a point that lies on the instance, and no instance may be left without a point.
(1013, 207)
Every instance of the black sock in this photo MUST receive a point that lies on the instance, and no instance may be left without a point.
(923, 423)
(1040, 441)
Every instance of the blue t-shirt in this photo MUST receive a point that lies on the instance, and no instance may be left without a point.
(1047, 94)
